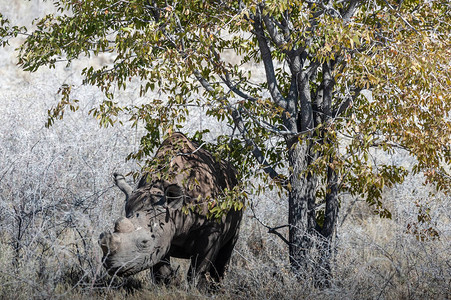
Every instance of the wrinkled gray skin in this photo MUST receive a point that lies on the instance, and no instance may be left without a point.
(155, 227)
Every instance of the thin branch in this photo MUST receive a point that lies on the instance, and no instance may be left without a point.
(349, 210)
(401, 17)
(266, 56)
(346, 103)
(349, 12)
(275, 35)
(237, 119)
(272, 230)
(190, 153)
(268, 126)
(233, 88)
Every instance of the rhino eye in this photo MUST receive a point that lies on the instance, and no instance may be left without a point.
(137, 215)
(144, 243)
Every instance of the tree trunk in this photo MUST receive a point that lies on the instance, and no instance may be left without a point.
(310, 245)
(301, 215)
(328, 229)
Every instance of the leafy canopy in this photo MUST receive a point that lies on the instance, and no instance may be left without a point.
(199, 53)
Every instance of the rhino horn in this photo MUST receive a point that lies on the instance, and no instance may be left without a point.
(109, 242)
(124, 225)
(119, 180)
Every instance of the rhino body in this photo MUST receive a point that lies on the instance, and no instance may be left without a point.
(156, 227)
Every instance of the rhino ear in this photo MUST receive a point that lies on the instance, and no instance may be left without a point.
(174, 196)
(119, 180)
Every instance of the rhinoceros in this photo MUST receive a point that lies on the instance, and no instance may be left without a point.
(166, 216)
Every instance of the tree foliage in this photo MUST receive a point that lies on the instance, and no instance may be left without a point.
(306, 123)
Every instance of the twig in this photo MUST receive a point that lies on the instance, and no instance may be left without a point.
(405, 21)
(272, 230)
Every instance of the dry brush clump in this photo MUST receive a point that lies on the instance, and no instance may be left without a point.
(379, 260)
(382, 258)
(56, 192)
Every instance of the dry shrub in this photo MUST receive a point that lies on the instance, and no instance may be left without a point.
(382, 261)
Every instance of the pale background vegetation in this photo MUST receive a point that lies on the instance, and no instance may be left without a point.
(57, 195)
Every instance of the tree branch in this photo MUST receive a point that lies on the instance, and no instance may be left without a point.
(328, 83)
(239, 123)
(275, 35)
(288, 104)
(237, 119)
(272, 230)
(233, 88)
(401, 17)
(346, 103)
(270, 127)
(265, 53)
(306, 111)
(350, 10)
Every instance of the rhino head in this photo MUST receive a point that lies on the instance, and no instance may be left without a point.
(142, 238)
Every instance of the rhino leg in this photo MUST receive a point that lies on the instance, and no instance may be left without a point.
(163, 272)
(218, 267)
(202, 262)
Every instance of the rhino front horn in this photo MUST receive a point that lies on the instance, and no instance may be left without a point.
(108, 242)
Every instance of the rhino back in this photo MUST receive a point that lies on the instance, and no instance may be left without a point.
(182, 162)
